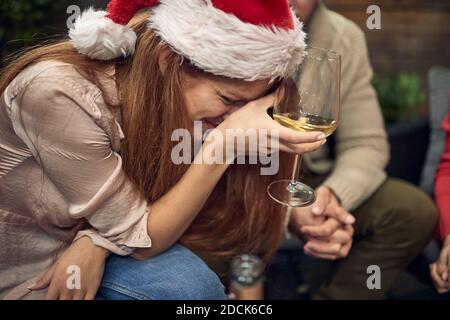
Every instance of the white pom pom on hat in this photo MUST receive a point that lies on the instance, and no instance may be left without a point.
(100, 38)
(249, 40)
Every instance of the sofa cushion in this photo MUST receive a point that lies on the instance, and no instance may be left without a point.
(438, 90)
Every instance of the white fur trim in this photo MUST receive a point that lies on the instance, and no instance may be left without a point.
(222, 44)
(100, 38)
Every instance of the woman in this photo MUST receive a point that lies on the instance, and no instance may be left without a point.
(441, 268)
(86, 150)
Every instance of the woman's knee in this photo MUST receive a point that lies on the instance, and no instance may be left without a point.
(176, 274)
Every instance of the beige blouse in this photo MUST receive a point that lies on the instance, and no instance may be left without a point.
(60, 165)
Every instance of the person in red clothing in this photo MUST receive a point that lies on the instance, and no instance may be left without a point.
(441, 268)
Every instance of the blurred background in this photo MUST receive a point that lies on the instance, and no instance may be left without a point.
(413, 42)
(410, 56)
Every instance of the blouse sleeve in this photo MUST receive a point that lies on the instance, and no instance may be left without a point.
(76, 155)
(442, 185)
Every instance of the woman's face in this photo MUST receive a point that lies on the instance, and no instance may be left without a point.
(209, 98)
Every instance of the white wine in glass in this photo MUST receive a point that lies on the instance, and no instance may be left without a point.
(310, 102)
(306, 122)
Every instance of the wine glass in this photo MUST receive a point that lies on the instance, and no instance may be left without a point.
(310, 103)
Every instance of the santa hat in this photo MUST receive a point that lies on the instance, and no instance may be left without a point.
(247, 39)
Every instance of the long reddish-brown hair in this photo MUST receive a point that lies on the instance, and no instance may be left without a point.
(238, 217)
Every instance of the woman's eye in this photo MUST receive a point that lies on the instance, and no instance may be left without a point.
(229, 102)
(226, 101)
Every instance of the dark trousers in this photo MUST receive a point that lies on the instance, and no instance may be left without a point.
(392, 227)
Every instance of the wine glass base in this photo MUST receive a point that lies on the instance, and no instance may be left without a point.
(292, 194)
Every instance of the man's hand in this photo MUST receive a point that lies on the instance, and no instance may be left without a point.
(330, 236)
(90, 260)
(337, 246)
(440, 269)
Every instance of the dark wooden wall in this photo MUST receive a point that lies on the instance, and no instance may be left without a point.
(414, 35)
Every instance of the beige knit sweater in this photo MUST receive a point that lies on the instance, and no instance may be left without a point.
(362, 150)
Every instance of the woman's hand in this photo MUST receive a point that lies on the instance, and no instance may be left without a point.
(254, 117)
(440, 269)
(77, 273)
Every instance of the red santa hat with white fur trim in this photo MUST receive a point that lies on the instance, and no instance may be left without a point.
(248, 39)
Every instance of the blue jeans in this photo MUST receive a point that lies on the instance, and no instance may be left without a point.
(177, 274)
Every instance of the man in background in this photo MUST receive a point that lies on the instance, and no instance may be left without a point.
(394, 219)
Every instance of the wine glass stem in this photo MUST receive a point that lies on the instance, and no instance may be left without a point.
(295, 172)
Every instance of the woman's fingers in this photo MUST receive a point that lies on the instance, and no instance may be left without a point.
(57, 289)
(44, 281)
(442, 265)
(52, 293)
(292, 136)
(448, 267)
(79, 294)
(90, 295)
(66, 295)
(301, 147)
(440, 284)
(69, 294)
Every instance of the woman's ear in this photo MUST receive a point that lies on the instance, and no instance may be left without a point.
(162, 61)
